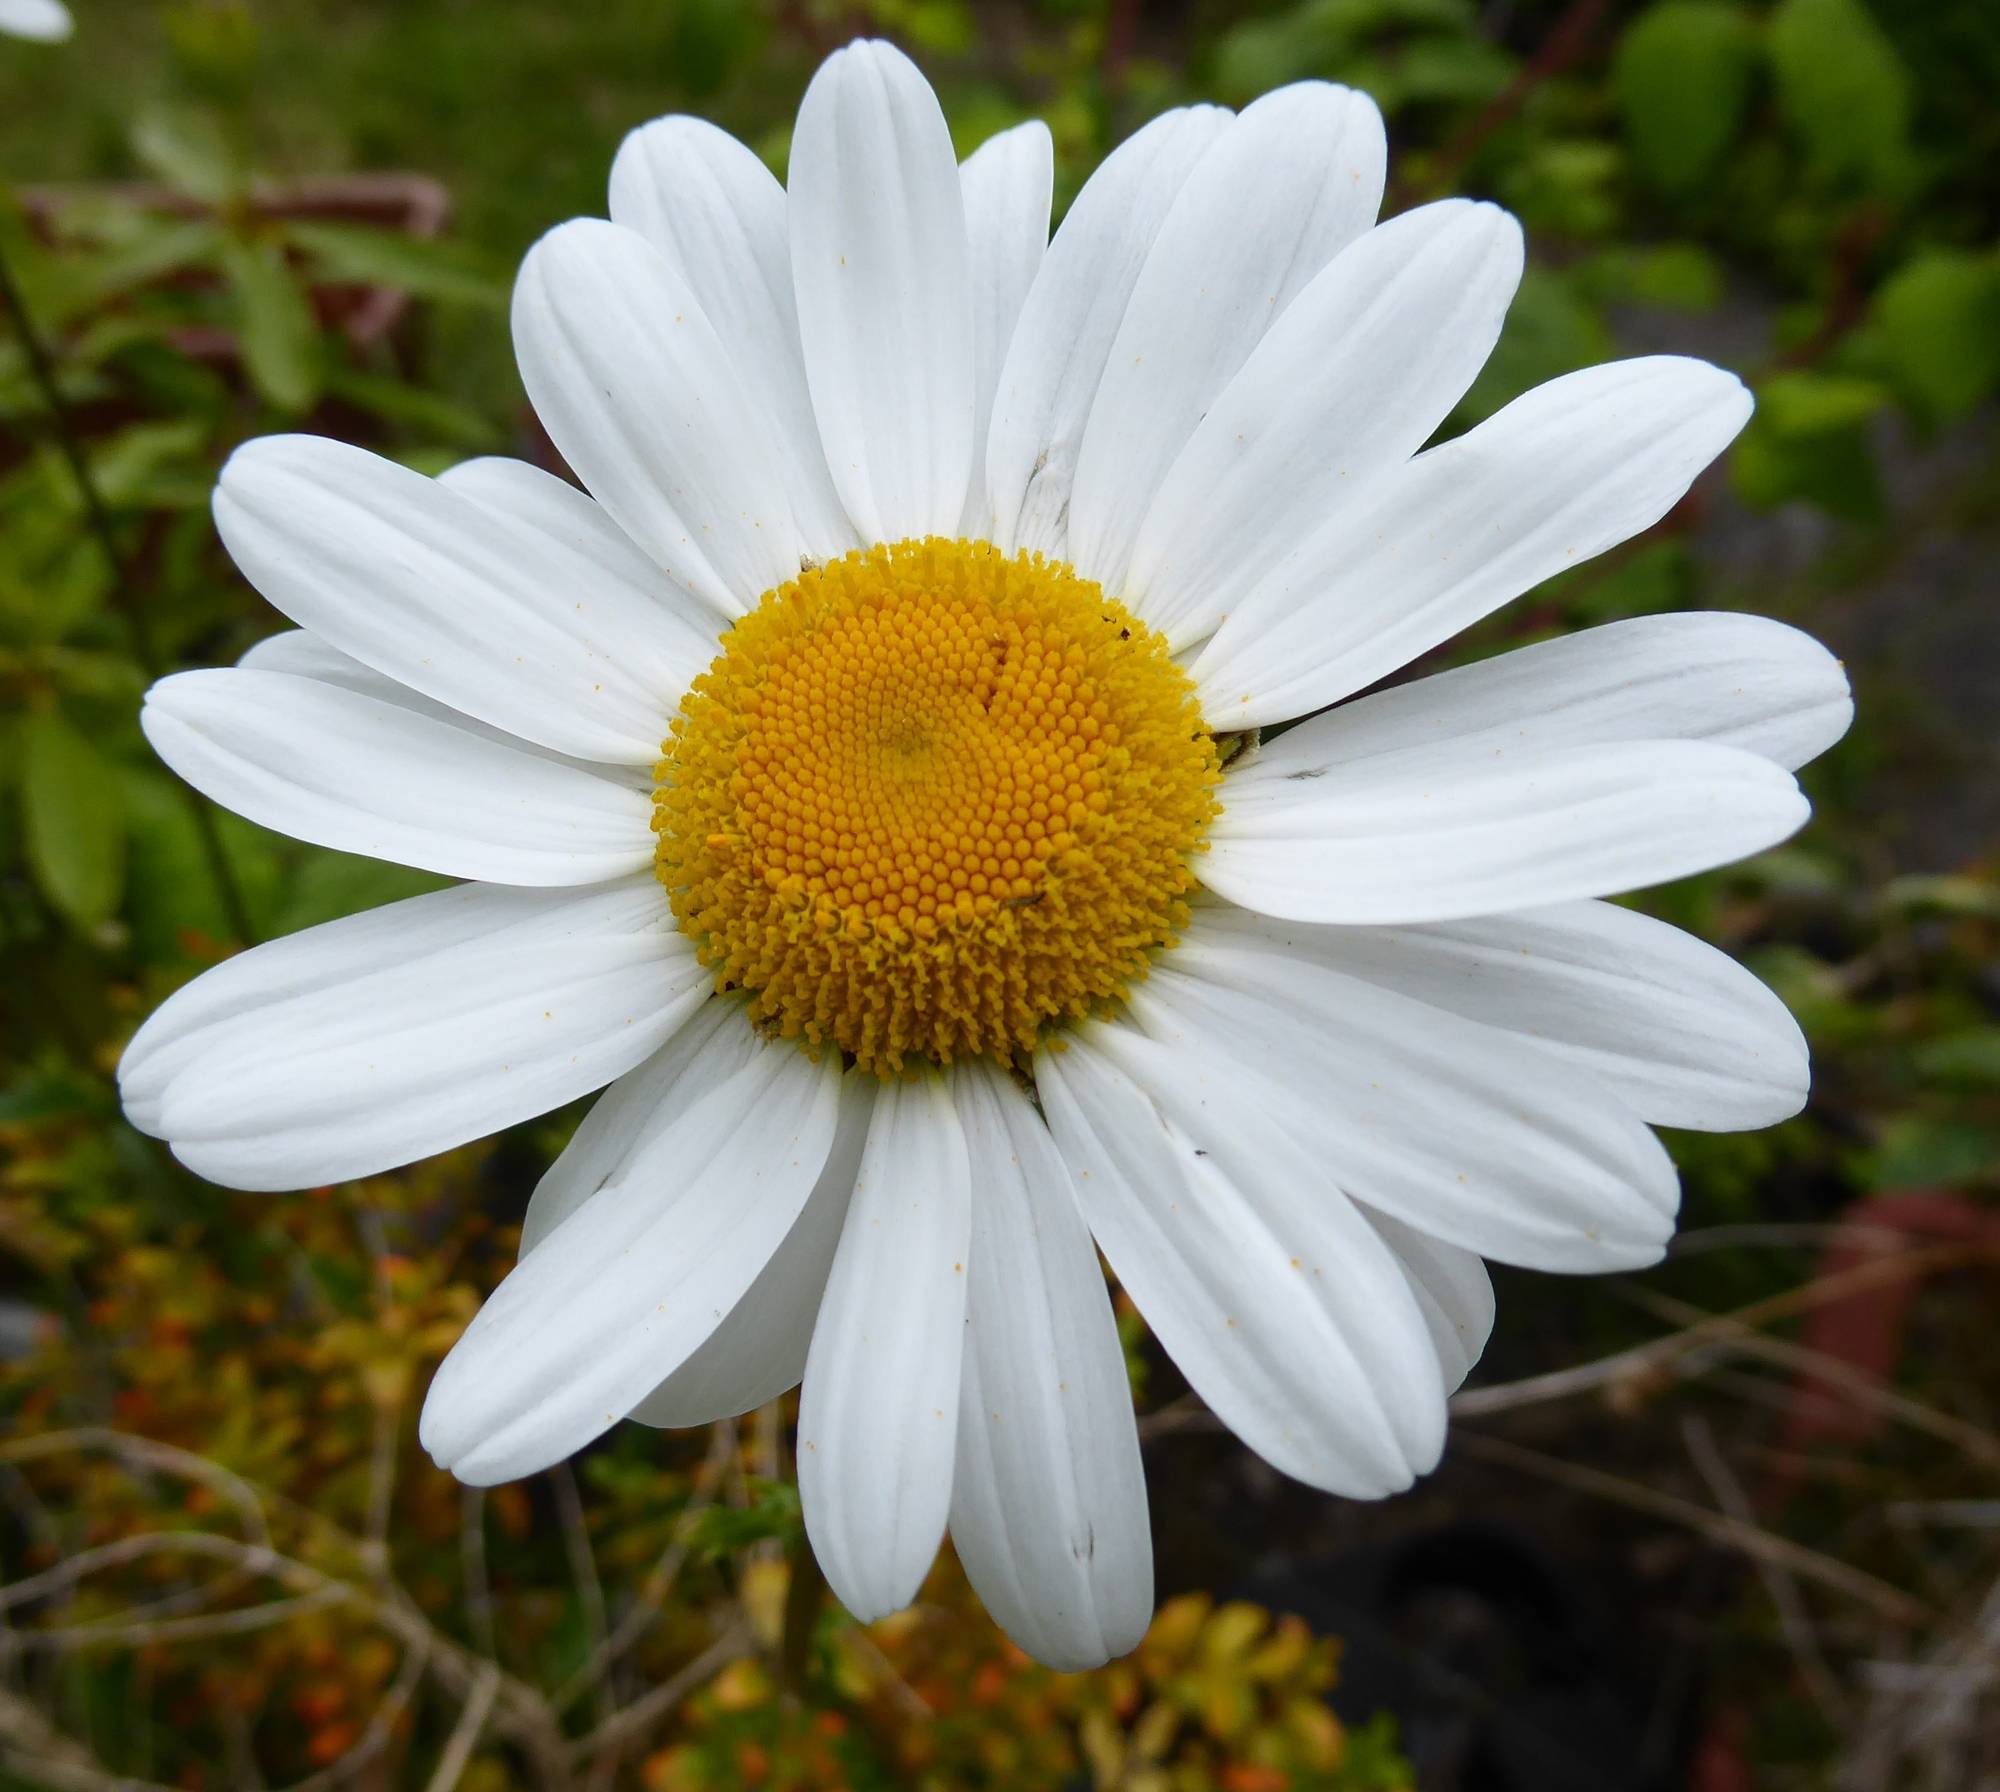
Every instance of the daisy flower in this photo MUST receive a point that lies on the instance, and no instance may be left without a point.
(40, 21)
(862, 777)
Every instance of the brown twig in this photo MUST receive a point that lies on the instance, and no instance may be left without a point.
(466, 1732)
(805, 1595)
(147, 1452)
(1973, 1440)
(1782, 1235)
(33, 1749)
(636, 1718)
(902, 1694)
(1793, 1619)
(1854, 245)
(583, 1571)
(386, 1418)
(1888, 1602)
(659, 1582)
(1187, 1413)
(1121, 37)
(1566, 44)
(472, 1560)
(377, 1733)
(61, 1576)
(123, 1634)
(1644, 1361)
(521, 1711)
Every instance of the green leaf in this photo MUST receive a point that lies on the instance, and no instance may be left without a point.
(1260, 54)
(275, 322)
(1940, 324)
(1453, 71)
(1565, 186)
(97, 676)
(929, 27)
(433, 462)
(329, 885)
(1439, 52)
(710, 38)
(1810, 404)
(173, 905)
(1916, 1151)
(165, 246)
(1844, 90)
(1968, 1057)
(188, 151)
(1676, 276)
(1683, 76)
(1550, 330)
(411, 407)
(429, 270)
(158, 466)
(1683, 276)
(1809, 439)
(47, 1095)
(72, 819)
(1651, 579)
(1834, 469)
(1948, 894)
(773, 1511)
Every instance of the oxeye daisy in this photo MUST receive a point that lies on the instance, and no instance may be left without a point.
(40, 21)
(865, 776)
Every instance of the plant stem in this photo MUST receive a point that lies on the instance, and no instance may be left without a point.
(1567, 42)
(804, 1595)
(124, 595)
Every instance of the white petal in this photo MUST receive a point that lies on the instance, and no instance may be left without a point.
(1427, 835)
(1355, 376)
(1684, 1034)
(1048, 1508)
(371, 1042)
(322, 958)
(361, 775)
(1564, 472)
(637, 391)
(1008, 182)
(545, 513)
(759, 1351)
(1291, 182)
(1266, 1285)
(39, 21)
(1063, 336)
(878, 1414)
(1475, 1136)
(711, 1047)
(413, 579)
(718, 215)
(1740, 681)
(638, 1277)
(880, 270)
(1453, 1289)
(300, 653)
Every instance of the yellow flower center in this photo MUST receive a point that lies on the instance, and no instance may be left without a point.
(932, 801)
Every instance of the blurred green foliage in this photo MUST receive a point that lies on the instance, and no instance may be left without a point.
(1803, 190)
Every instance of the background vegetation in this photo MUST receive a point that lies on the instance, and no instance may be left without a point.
(1731, 1523)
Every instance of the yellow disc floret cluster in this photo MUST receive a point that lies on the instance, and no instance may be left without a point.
(933, 800)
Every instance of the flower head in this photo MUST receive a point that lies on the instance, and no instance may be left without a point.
(40, 21)
(864, 780)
